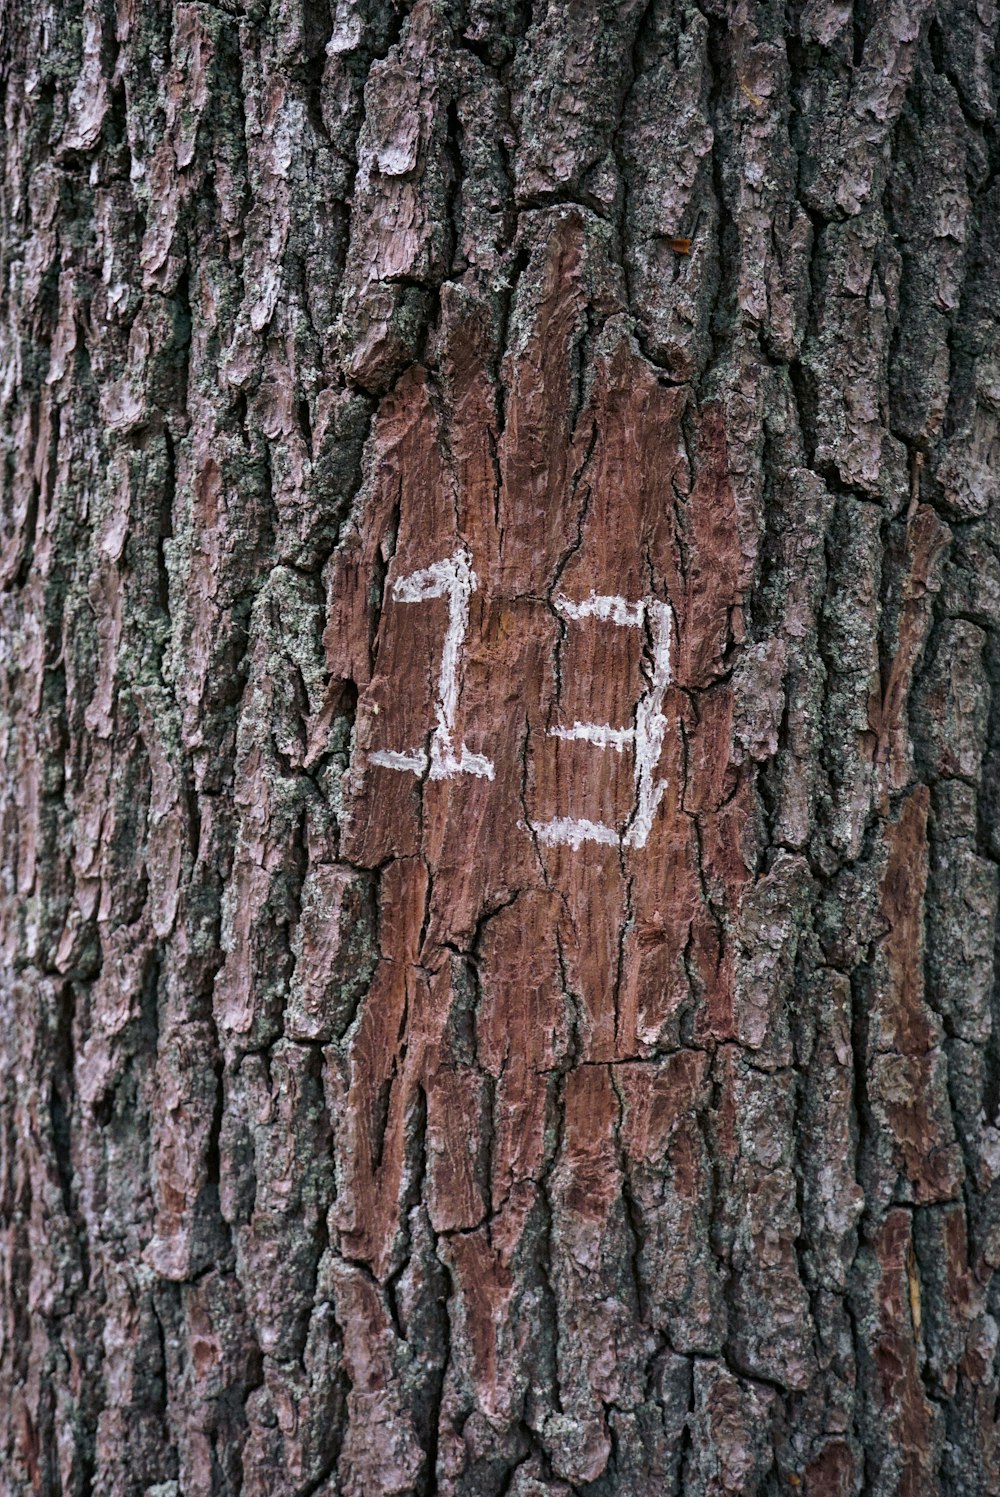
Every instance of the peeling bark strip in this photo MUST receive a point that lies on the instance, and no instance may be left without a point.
(499, 622)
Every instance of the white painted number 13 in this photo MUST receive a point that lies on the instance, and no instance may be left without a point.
(455, 580)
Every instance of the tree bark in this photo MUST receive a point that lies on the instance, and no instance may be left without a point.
(500, 571)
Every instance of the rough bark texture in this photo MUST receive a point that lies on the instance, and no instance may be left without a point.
(449, 1046)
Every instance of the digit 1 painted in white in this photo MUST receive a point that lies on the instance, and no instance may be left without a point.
(647, 735)
(455, 580)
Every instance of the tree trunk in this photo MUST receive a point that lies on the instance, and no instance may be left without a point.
(500, 601)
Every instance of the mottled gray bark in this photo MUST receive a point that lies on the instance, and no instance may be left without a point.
(499, 625)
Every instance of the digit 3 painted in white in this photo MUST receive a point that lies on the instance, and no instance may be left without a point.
(455, 580)
(646, 736)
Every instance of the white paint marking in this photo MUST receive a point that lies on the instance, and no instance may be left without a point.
(601, 734)
(647, 736)
(605, 606)
(650, 728)
(567, 831)
(455, 580)
(390, 759)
